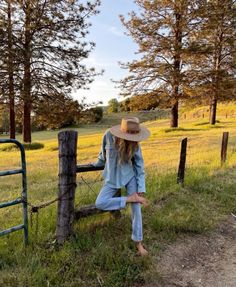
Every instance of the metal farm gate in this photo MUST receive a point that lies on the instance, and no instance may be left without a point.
(21, 200)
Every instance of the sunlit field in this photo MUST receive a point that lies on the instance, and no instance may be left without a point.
(101, 253)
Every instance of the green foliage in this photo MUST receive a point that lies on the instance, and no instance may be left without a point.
(124, 105)
(91, 115)
(97, 114)
(113, 106)
(51, 113)
(139, 103)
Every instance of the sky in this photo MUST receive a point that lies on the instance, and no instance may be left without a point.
(112, 46)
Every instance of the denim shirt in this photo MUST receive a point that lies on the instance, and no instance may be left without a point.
(117, 175)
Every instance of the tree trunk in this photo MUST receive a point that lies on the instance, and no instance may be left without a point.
(213, 107)
(217, 76)
(27, 79)
(27, 106)
(27, 122)
(174, 115)
(12, 118)
(177, 70)
(10, 75)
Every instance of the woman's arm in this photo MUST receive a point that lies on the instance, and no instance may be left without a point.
(138, 165)
(102, 154)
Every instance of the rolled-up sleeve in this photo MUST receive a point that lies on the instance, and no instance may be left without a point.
(139, 172)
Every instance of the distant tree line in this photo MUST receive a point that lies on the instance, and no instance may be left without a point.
(51, 115)
(188, 53)
(135, 103)
(42, 46)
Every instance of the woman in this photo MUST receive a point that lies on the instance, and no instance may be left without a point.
(123, 167)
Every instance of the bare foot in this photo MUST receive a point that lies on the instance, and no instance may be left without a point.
(136, 198)
(141, 250)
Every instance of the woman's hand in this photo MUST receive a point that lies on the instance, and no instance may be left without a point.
(140, 194)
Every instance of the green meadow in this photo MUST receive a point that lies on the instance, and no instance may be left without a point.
(101, 253)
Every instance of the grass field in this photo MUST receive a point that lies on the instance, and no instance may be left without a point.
(102, 254)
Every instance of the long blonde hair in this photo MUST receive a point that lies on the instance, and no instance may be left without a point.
(126, 150)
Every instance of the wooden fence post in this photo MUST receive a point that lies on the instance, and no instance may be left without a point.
(67, 183)
(182, 161)
(224, 147)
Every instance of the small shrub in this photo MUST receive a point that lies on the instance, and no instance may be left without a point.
(27, 146)
(33, 146)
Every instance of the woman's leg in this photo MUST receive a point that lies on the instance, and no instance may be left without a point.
(107, 201)
(137, 226)
(137, 229)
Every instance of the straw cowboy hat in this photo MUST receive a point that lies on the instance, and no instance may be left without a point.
(131, 130)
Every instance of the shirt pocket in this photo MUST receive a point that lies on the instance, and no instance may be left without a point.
(111, 152)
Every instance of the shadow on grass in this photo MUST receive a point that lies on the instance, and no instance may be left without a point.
(207, 125)
(181, 129)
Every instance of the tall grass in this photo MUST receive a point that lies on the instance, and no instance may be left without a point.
(101, 253)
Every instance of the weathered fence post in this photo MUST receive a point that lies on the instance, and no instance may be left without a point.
(224, 147)
(182, 161)
(67, 183)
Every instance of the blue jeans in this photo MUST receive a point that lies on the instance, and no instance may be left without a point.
(106, 201)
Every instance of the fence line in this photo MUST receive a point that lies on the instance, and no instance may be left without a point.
(79, 204)
(69, 156)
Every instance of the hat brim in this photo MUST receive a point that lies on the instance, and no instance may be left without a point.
(142, 135)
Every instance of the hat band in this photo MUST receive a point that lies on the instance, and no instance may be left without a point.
(130, 131)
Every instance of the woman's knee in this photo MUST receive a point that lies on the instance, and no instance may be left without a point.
(105, 194)
(131, 186)
(99, 203)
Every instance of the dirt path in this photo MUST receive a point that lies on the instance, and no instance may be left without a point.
(201, 261)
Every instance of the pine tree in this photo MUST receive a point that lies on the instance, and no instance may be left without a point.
(161, 29)
(64, 111)
(48, 44)
(53, 47)
(215, 49)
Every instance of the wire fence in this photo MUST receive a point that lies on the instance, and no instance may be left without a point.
(163, 161)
